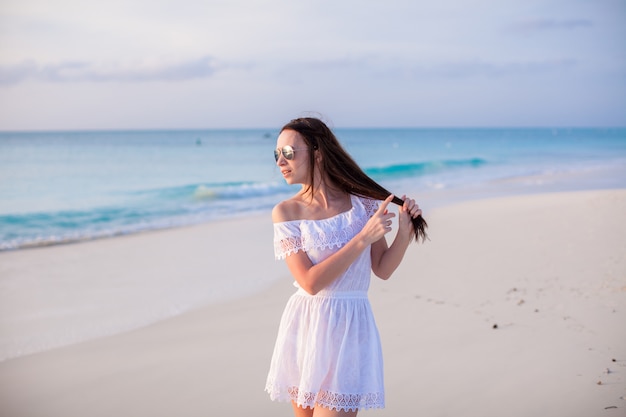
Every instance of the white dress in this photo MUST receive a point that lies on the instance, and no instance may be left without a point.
(328, 349)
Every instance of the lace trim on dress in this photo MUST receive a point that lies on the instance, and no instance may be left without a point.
(334, 234)
(288, 238)
(371, 206)
(287, 246)
(331, 400)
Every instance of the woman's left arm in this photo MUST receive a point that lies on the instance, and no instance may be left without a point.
(386, 259)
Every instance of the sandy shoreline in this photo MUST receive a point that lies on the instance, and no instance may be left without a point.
(549, 271)
(60, 295)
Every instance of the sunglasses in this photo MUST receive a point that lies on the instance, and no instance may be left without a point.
(287, 151)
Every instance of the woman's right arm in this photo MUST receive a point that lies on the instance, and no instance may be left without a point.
(313, 278)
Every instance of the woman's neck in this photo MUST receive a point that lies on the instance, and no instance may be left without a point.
(325, 196)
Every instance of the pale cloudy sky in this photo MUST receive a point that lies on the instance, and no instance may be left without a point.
(119, 64)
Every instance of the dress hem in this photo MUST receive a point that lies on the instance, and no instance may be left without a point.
(364, 401)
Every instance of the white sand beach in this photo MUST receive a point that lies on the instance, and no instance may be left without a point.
(515, 307)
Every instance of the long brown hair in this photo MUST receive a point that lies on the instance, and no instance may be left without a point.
(338, 166)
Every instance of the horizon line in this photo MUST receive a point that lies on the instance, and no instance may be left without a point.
(270, 129)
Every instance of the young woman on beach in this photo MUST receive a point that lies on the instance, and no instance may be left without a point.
(327, 359)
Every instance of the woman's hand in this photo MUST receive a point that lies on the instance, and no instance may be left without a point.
(379, 224)
(409, 210)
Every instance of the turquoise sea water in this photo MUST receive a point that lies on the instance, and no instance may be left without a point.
(58, 187)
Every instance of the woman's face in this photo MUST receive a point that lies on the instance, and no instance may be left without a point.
(296, 170)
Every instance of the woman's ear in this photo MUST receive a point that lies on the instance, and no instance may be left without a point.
(318, 155)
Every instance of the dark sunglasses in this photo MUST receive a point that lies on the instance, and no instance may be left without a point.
(287, 151)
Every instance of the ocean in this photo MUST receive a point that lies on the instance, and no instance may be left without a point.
(61, 187)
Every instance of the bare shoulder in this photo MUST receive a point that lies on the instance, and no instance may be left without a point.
(287, 210)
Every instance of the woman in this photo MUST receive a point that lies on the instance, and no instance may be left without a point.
(327, 359)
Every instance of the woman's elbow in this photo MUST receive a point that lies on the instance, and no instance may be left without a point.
(384, 275)
(311, 289)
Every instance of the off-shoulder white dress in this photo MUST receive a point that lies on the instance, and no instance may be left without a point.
(328, 349)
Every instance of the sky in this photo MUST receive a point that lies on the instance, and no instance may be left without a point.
(191, 64)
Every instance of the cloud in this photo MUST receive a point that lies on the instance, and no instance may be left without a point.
(80, 71)
(478, 68)
(471, 69)
(543, 24)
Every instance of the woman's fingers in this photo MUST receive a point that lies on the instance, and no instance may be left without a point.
(383, 207)
(411, 207)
